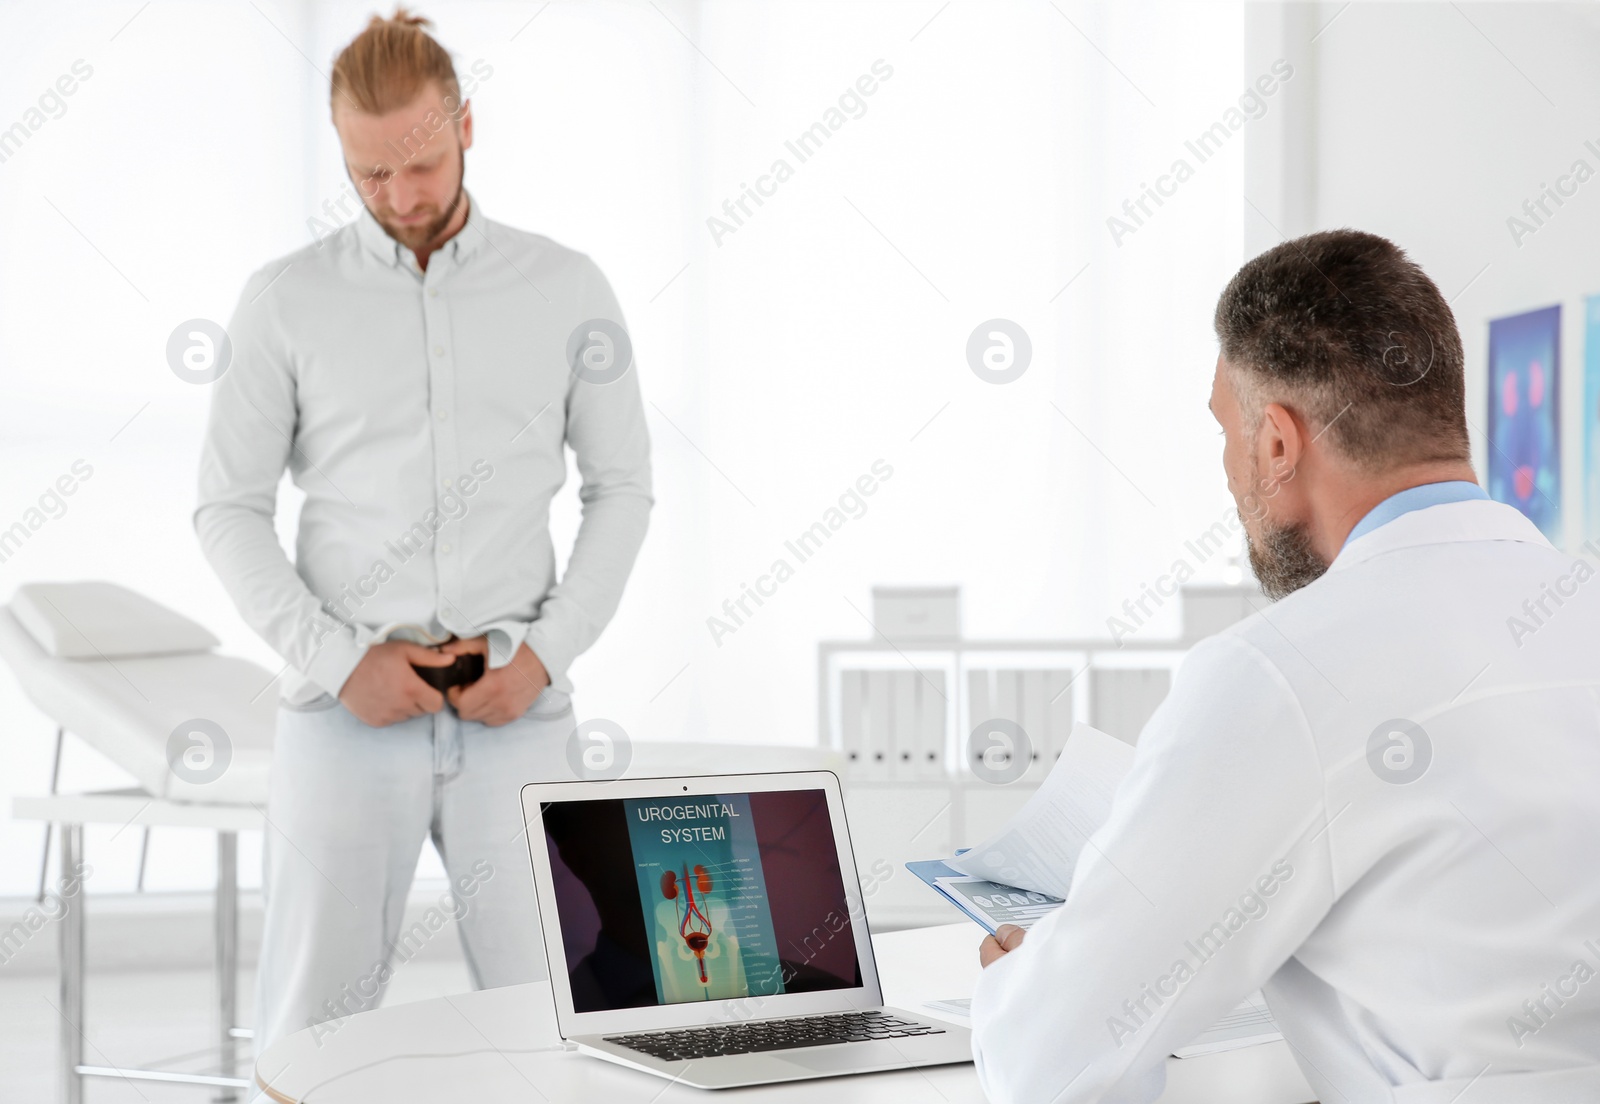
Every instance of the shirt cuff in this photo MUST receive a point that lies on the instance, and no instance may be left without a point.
(542, 642)
(505, 637)
(335, 658)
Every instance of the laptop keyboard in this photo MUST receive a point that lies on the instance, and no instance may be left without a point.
(764, 1035)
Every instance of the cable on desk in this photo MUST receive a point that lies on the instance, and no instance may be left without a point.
(306, 1096)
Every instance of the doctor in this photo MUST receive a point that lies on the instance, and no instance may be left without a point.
(420, 373)
(1379, 799)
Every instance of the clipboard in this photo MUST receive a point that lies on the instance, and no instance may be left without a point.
(989, 904)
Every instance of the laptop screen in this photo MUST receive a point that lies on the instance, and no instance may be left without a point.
(664, 900)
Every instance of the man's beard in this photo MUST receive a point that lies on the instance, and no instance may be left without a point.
(414, 237)
(1284, 559)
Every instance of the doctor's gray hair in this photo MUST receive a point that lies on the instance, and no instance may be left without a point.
(1344, 329)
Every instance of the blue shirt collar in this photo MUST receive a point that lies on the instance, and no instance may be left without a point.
(1414, 498)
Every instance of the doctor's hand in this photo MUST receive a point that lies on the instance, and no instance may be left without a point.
(383, 689)
(503, 693)
(1007, 938)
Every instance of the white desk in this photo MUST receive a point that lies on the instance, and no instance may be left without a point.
(485, 1047)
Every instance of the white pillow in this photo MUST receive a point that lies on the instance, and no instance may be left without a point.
(97, 620)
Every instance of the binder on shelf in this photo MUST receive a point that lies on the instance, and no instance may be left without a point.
(852, 719)
(878, 743)
(932, 709)
(1007, 684)
(1009, 704)
(1121, 700)
(903, 743)
(977, 712)
(1058, 690)
(1033, 696)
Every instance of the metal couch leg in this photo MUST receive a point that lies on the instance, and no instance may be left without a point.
(227, 920)
(55, 780)
(71, 925)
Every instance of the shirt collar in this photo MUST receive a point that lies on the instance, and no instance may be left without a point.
(1472, 519)
(1415, 498)
(466, 241)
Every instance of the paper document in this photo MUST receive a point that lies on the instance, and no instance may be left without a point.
(1001, 904)
(989, 903)
(1247, 1025)
(1024, 871)
(1038, 850)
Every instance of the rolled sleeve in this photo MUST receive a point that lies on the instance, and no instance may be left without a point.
(505, 637)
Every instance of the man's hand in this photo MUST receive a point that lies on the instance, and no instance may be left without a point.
(503, 693)
(1007, 938)
(383, 689)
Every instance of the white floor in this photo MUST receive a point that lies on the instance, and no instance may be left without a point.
(146, 1020)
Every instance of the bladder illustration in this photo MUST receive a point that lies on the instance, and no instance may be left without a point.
(693, 924)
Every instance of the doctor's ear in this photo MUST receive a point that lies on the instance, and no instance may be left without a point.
(1280, 445)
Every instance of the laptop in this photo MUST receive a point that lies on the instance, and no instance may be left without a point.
(711, 930)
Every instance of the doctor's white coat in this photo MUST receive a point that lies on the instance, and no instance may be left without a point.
(1379, 801)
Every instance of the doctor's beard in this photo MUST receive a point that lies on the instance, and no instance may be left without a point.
(1283, 558)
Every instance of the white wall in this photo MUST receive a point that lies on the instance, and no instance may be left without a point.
(828, 332)
(1432, 123)
(146, 200)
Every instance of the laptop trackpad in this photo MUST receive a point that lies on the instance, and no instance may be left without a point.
(857, 1057)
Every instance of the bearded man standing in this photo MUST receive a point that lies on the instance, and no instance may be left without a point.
(419, 373)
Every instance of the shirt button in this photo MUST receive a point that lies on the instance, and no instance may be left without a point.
(445, 549)
(433, 293)
(438, 350)
(444, 415)
(447, 484)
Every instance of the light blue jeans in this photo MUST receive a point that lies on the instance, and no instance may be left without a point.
(348, 808)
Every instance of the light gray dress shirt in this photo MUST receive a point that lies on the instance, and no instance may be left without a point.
(424, 415)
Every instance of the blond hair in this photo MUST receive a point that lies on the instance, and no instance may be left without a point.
(388, 64)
